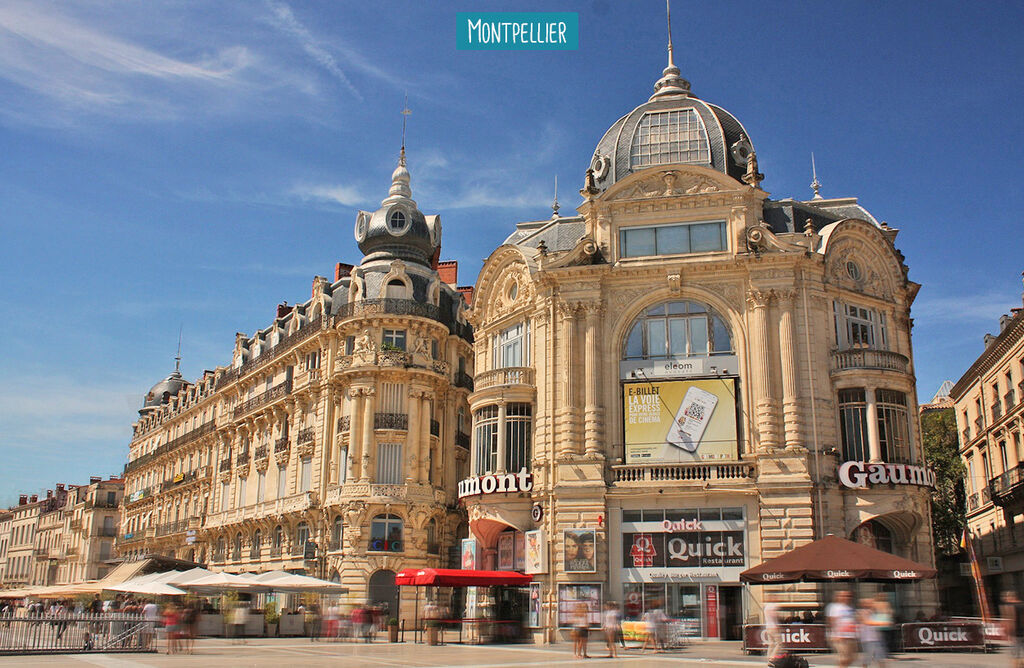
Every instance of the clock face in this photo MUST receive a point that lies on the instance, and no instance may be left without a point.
(362, 222)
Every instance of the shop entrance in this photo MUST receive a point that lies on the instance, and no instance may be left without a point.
(731, 612)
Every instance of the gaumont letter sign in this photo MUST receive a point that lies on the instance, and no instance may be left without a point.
(497, 482)
(863, 474)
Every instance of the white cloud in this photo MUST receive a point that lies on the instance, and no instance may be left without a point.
(346, 195)
(40, 412)
(983, 307)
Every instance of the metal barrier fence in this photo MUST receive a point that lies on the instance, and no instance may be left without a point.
(49, 634)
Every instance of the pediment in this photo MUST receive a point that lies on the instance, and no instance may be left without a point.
(660, 182)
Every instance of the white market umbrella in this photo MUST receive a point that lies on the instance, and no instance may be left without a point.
(219, 582)
(290, 582)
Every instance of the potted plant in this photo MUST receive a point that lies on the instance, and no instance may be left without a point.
(393, 630)
(272, 617)
(433, 627)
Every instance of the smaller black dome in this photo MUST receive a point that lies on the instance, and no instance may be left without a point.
(164, 390)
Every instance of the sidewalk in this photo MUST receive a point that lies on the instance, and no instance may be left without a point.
(277, 652)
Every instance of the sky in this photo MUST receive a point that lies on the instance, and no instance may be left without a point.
(187, 166)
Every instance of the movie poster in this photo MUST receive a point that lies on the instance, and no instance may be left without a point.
(536, 557)
(506, 545)
(572, 596)
(535, 606)
(520, 547)
(469, 560)
(579, 548)
(680, 421)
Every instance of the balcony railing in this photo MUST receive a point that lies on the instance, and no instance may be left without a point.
(344, 423)
(512, 375)
(281, 444)
(391, 421)
(369, 307)
(107, 532)
(304, 436)
(463, 380)
(997, 412)
(630, 473)
(179, 479)
(270, 395)
(260, 453)
(1009, 399)
(242, 458)
(435, 428)
(225, 464)
(462, 439)
(286, 342)
(1008, 488)
(866, 358)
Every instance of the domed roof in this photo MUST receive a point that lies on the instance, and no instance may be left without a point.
(397, 230)
(169, 386)
(672, 127)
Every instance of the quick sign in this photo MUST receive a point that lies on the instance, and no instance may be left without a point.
(859, 475)
(691, 549)
(943, 635)
(495, 483)
(792, 636)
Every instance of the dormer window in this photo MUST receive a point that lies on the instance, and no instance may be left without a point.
(396, 222)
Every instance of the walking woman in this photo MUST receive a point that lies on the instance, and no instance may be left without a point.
(611, 625)
(581, 631)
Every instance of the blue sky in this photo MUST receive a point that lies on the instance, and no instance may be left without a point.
(171, 164)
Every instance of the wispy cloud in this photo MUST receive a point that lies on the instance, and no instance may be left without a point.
(347, 195)
(285, 21)
(948, 308)
(87, 411)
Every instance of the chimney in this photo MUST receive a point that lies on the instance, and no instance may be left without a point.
(23, 499)
(33, 498)
(284, 309)
(989, 339)
(49, 494)
(1004, 320)
(341, 270)
(467, 292)
(93, 479)
(448, 271)
(60, 487)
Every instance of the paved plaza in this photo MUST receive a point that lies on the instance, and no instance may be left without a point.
(293, 652)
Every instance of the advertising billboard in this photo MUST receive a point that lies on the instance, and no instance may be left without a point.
(680, 421)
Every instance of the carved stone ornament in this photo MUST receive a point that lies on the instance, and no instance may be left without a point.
(761, 239)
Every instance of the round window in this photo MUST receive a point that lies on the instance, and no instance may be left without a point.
(853, 269)
(396, 222)
(513, 291)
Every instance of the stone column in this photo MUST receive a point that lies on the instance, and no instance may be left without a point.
(355, 434)
(502, 436)
(412, 439)
(790, 381)
(368, 450)
(761, 362)
(592, 381)
(871, 417)
(424, 432)
(568, 313)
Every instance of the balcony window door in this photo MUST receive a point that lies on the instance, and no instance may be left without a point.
(282, 481)
(893, 426)
(859, 327)
(854, 424)
(485, 437)
(389, 464)
(307, 474)
(510, 347)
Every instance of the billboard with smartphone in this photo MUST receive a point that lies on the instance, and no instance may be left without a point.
(680, 421)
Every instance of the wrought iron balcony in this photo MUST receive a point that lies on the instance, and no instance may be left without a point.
(867, 358)
(369, 307)
(462, 439)
(304, 436)
(281, 444)
(267, 397)
(511, 375)
(1008, 489)
(225, 464)
(107, 532)
(344, 423)
(464, 380)
(972, 502)
(261, 452)
(435, 428)
(242, 458)
(391, 421)
(286, 343)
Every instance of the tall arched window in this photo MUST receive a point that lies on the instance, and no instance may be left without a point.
(432, 545)
(278, 542)
(337, 533)
(257, 544)
(301, 536)
(386, 534)
(677, 329)
(218, 553)
(236, 552)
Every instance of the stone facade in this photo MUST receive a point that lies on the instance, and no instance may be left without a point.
(811, 340)
(331, 442)
(989, 405)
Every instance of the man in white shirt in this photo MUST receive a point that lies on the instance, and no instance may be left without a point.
(151, 613)
(842, 628)
(771, 625)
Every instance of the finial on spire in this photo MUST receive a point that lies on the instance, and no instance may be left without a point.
(554, 205)
(670, 83)
(815, 184)
(177, 358)
(406, 111)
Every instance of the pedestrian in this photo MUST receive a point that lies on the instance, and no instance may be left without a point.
(239, 617)
(771, 626)
(581, 630)
(171, 628)
(842, 628)
(313, 617)
(870, 635)
(151, 613)
(1013, 620)
(611, 624)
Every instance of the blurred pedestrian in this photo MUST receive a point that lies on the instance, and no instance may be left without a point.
(611, 624)
(1013, 621)
(842, 628)
(771, 625)
(581, 630)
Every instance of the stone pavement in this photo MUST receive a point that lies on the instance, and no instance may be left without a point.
(294, 652)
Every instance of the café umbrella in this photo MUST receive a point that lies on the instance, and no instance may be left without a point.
(834, 559)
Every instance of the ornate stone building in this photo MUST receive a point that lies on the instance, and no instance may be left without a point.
(989, 407)
(89, 524)
(331, 442)
(688, 377)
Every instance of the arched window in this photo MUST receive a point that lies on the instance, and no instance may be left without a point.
(677, 329)
(301, 536)
(218, 554)
(669, 137)
(236, 551)
(396, 289)
(337, 533)
(257, 545)
(432, 545)
(386, 534)
(278, 541)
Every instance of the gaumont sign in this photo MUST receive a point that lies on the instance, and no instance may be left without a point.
(801, 637)
(942, 635)
(857, 475)
(495, 483)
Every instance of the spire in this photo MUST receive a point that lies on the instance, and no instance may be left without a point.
(554, 205)
(177, 358)
(815, 184)
(671, 81)
(400, 179)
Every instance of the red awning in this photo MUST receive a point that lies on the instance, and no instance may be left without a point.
(449, 577)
